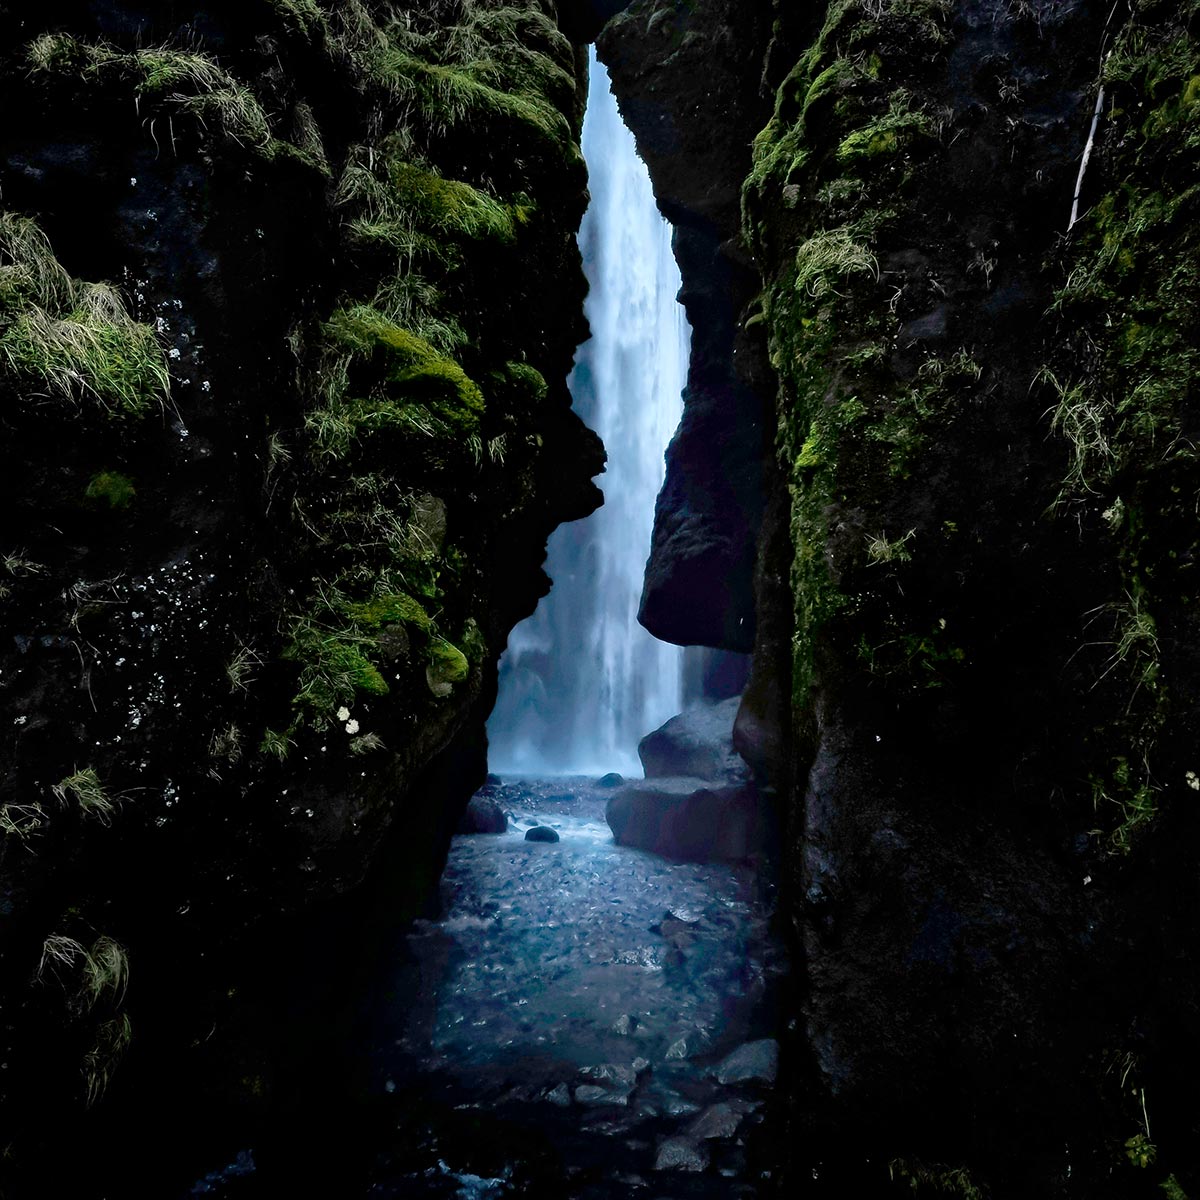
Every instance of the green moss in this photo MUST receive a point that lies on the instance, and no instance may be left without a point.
(334, 668)
(403, 384)
(818, 202)
(452, 98)
(890, 134)
(394, 608)
(447, 666)
(111, 488)
(474, 644)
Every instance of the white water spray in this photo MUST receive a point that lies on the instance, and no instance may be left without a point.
(581, 681)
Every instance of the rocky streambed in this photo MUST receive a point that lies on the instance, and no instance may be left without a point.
(582, 1019)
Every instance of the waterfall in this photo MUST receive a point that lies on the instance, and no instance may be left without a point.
(581, 681)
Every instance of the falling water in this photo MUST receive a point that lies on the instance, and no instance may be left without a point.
(581, 681)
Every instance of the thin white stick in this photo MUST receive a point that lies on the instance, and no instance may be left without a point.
(1087, 154)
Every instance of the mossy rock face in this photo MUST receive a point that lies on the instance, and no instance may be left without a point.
(447, 666)
(962, 383)
(256, 480)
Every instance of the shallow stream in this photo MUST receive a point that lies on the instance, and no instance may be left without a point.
(563, 1028)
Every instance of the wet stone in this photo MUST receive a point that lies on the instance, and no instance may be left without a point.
(483, 815)
(592, 1096)
(613, 1073)
(625, 1025)
(541, 833)
(681, 1154)
(560, 1095)
(716, 1121)
(754, 1062)
(611, 780)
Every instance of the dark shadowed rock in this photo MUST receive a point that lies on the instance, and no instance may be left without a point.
(687, 818)
(593, 1096)
(541, 833)
(482, 815)
(716, 1121)
(697, 743)
(678, 71)
(611, 780)
(681, 1154)
(755, 1062)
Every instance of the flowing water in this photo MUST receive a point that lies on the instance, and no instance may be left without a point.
(581, 681)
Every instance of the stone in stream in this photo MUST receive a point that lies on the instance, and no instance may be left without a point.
(611, 780)
(541, 833)
(560, 1095)
(681, 1154)
(589, 1095)
(625, 1025)
(688, 1045)
(754, 1062)
(482, 815)
(697, 743)
(616, 1073)
(687, 818)
(716, 1121)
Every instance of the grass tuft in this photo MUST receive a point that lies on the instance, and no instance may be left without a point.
(84, 789)
(74, 339)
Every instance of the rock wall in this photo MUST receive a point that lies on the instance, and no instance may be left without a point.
(973, 676)
(680, 75)
(283, 343)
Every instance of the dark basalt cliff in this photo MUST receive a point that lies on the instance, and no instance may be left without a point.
(981, 496)
(276, 491)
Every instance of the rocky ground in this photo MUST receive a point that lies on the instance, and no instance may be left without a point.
(583, 1019)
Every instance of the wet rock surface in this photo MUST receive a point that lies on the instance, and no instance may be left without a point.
(482, 815)
(688, 819)
(698, 742)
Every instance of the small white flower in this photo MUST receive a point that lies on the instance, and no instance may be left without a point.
(1193, 781)
(343, 713)
(351, 726)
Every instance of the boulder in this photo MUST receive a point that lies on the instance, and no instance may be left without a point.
(611, 780)
(697, 743)
(754, 1062)
(541, 833)
(482, 815)
(687, 819)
